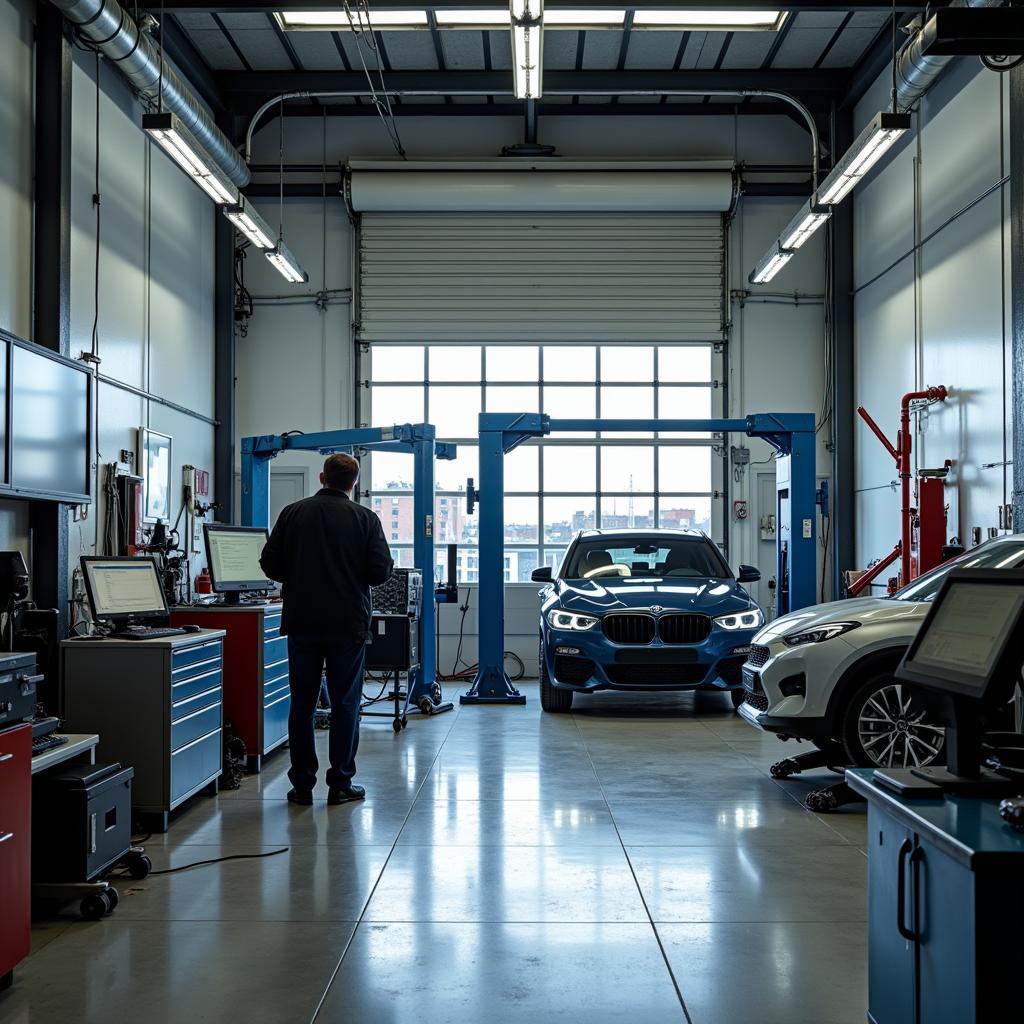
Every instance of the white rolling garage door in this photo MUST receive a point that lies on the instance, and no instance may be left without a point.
(542, 277)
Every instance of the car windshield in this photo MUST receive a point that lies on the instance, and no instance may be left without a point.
(644, 557)
(1003, 554)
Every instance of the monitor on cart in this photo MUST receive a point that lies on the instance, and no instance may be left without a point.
(233, 556)
(124, 590)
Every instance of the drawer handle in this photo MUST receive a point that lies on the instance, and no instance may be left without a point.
(6, 836)
(6, 757)
(906, 850)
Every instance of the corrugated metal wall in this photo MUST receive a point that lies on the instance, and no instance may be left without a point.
(549, 277)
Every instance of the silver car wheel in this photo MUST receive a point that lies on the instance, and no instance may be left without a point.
(895, 730)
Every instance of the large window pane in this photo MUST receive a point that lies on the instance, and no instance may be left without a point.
(521, 520)
(395, 514)
(685, 513)
(570, 468)
(519, 563)
(684, 404)
(521, 473)
(635, 512)
(684, 468)
(450, 520)
(553, 557)
(563, 363)
(452, 474)
(454, 362)
(403, 558)
(627, 403)
(684, 363)
(570, 403)
(513, 362)
(627, 468)
(396, 405)
(388, 471)
(506, 398)
(627, 363)
(454, 411)
(397, 362)
(564, 516)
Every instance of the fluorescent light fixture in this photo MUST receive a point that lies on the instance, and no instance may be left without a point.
(809, 218)
(870, 146)
(499, 17)
(167, 131)
(251, 224)
(527, 17)
(710, 20)
(286, 264)
(771, 263)
(337, 20)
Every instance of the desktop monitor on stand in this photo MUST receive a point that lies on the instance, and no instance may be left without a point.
(125, 591)
(968, 652)
(233, 556)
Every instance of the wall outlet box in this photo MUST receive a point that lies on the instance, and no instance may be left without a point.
(740, 456)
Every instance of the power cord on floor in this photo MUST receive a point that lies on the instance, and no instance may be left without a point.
(220, 860)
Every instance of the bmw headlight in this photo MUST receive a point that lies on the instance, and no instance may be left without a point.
(819, 634)
(559, 619)
(750, 619)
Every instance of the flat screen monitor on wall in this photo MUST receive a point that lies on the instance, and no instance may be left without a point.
(49, 424)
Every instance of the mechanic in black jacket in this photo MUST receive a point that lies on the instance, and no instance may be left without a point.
(327, 551)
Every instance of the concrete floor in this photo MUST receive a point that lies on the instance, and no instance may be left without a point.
(630, 862)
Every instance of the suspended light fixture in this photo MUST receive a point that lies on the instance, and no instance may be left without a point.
(286, 264)
(168, 132)
(809, 218)
(338, 21)
(771, 263)
(885, 129)
(250, 223)
(527, 47)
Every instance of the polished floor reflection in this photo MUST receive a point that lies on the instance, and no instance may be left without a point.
(631, 861)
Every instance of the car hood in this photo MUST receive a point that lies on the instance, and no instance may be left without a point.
(875, 611)
(709, 596)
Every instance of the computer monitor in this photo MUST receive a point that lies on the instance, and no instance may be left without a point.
(124, 590)
(233, 556)
(968, 652)
(974, 625)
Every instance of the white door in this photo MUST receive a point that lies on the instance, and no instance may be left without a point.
(286, 486)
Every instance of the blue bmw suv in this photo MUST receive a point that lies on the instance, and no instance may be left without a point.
(643, 610)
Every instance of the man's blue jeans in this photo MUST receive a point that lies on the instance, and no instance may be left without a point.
(307, 659)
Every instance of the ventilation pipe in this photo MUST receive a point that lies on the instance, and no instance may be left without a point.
(115, 34)
(915, 72)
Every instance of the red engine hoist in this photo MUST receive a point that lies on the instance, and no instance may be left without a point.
(923, 524)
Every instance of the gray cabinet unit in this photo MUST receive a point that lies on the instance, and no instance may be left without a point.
(157, 706)
(944, 889)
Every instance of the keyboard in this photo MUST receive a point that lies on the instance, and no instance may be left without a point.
(147, 632)
(40, 744)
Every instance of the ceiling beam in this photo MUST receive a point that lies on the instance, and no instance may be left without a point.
(245, 6)
(252, 87)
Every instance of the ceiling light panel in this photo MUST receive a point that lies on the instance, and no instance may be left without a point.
(718, 19)
(871, 145)
(337, 20)
(498, 17)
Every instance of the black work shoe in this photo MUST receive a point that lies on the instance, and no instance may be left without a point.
(303, 797)
(345, 794)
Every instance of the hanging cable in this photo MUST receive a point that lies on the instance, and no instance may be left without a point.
(380, 99)
(280, 163)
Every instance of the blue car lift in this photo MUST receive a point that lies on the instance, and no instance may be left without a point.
(790, 434)
(416, 439)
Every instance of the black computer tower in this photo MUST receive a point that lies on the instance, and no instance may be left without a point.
(394, 643)
(81, 822)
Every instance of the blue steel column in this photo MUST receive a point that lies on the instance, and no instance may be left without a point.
(803, 551)
(255, 485)
(492, 684)
(422, 678)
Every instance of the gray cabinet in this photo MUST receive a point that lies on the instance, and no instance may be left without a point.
(157, 706)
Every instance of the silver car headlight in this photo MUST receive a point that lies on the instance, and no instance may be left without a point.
(559, 619)
(750, 619)
(819, 634)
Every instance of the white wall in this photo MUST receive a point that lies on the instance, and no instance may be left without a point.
(942, 317)
(155, 308)
(294, 367)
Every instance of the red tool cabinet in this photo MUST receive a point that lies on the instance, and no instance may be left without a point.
(15, 848)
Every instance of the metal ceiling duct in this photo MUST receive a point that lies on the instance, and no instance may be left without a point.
(916, 73)
(115, 34)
